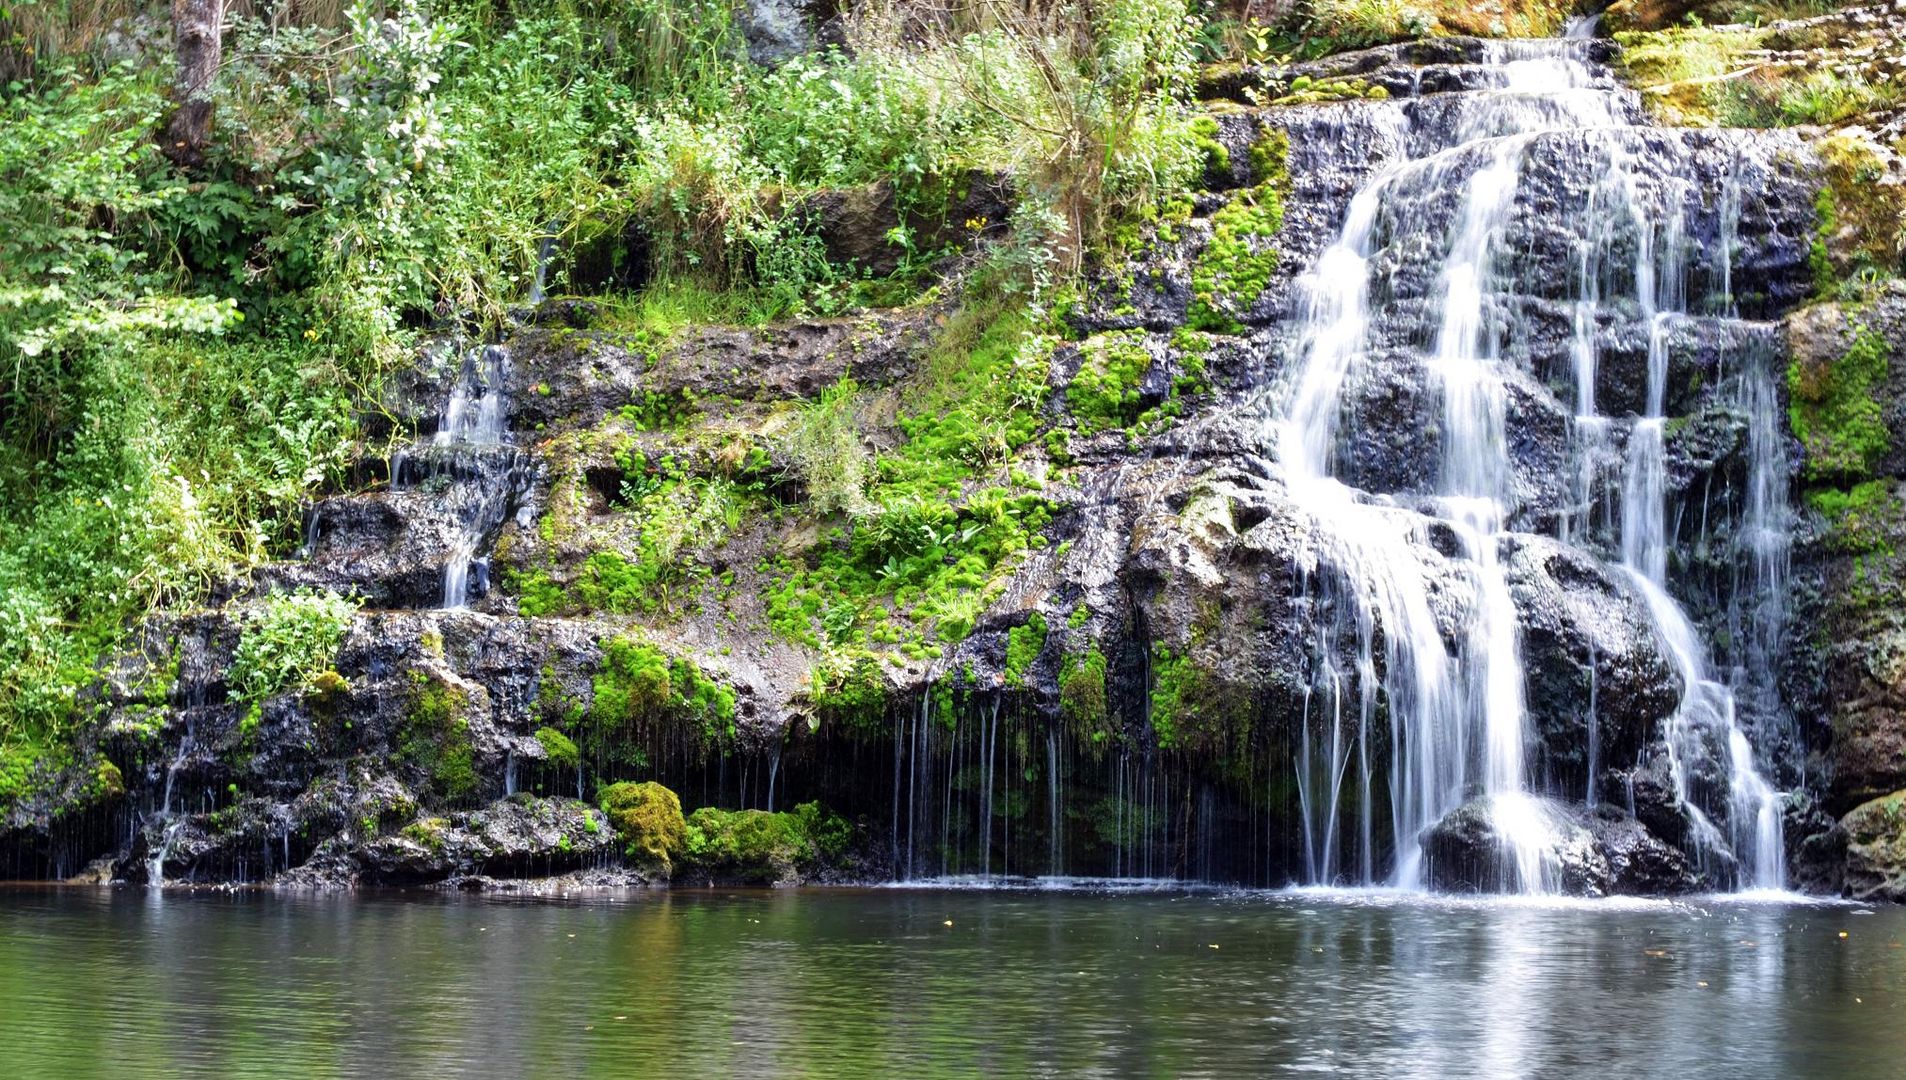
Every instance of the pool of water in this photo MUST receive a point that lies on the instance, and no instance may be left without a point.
(931, 981)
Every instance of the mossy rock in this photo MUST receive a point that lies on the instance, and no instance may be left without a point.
(649, 819)
(756, 847)
(558, 749)
(436, 734)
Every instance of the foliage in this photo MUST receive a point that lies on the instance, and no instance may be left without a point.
(181, 355)
(1701, 75)
(648, 817)
(945, 512)
(825, 448)
(288, 643)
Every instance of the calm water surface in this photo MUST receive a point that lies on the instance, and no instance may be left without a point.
(894, 982)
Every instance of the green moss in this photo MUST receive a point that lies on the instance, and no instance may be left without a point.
(1835, 414)
(759, 847)
(1270, 156)
(1826, 281)
(648, 818)
(436, 736)
(1204, 139)
(1305, 91)
(653, 410)
(23, 768)
(1863, 520)
(1104, 394)
(427, 832)
(852, 695)
(558, 749)
(1082, 697)
(1240, 258)
(1024, 643)
(640, 687)
(1190, 711)
(945, 514)
(1861, 222)
(537, 594)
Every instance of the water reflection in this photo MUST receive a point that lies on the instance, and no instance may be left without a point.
(910, 982)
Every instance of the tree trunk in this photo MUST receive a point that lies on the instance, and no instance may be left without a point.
(196, 28)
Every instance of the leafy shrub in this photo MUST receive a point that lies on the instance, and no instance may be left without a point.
(824, 445)
(288, 642)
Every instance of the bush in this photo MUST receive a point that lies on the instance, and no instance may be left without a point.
(288, 642)
(824, 445)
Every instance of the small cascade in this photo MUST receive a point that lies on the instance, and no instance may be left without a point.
(166, 818)
(1708, 708)
(545, 251)
(469, 468)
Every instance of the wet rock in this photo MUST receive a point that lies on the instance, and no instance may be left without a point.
(518, 837)
(780, 30)
(1467, 851)
(1876, 849)
(1639, 862)
(1816, 848)
(1597, 682)
(566, 381)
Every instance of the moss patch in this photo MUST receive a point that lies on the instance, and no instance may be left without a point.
(1105, 392)
(758, 847)
(639, 687)
(1190, 711)
(1835, 413)
(1863, 520)
(1082, 697)
(558, 749)
(648, 818)
(1240, 258)
(1024, 643)
(436, 736)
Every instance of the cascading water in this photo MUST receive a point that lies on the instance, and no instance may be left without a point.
(1425, 632)
(471, 466)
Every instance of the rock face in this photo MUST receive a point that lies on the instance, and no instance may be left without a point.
(1846, 676)
(1876, 849)
(1169, 670)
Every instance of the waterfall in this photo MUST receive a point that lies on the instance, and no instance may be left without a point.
(1425, 630)
(470, 467)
